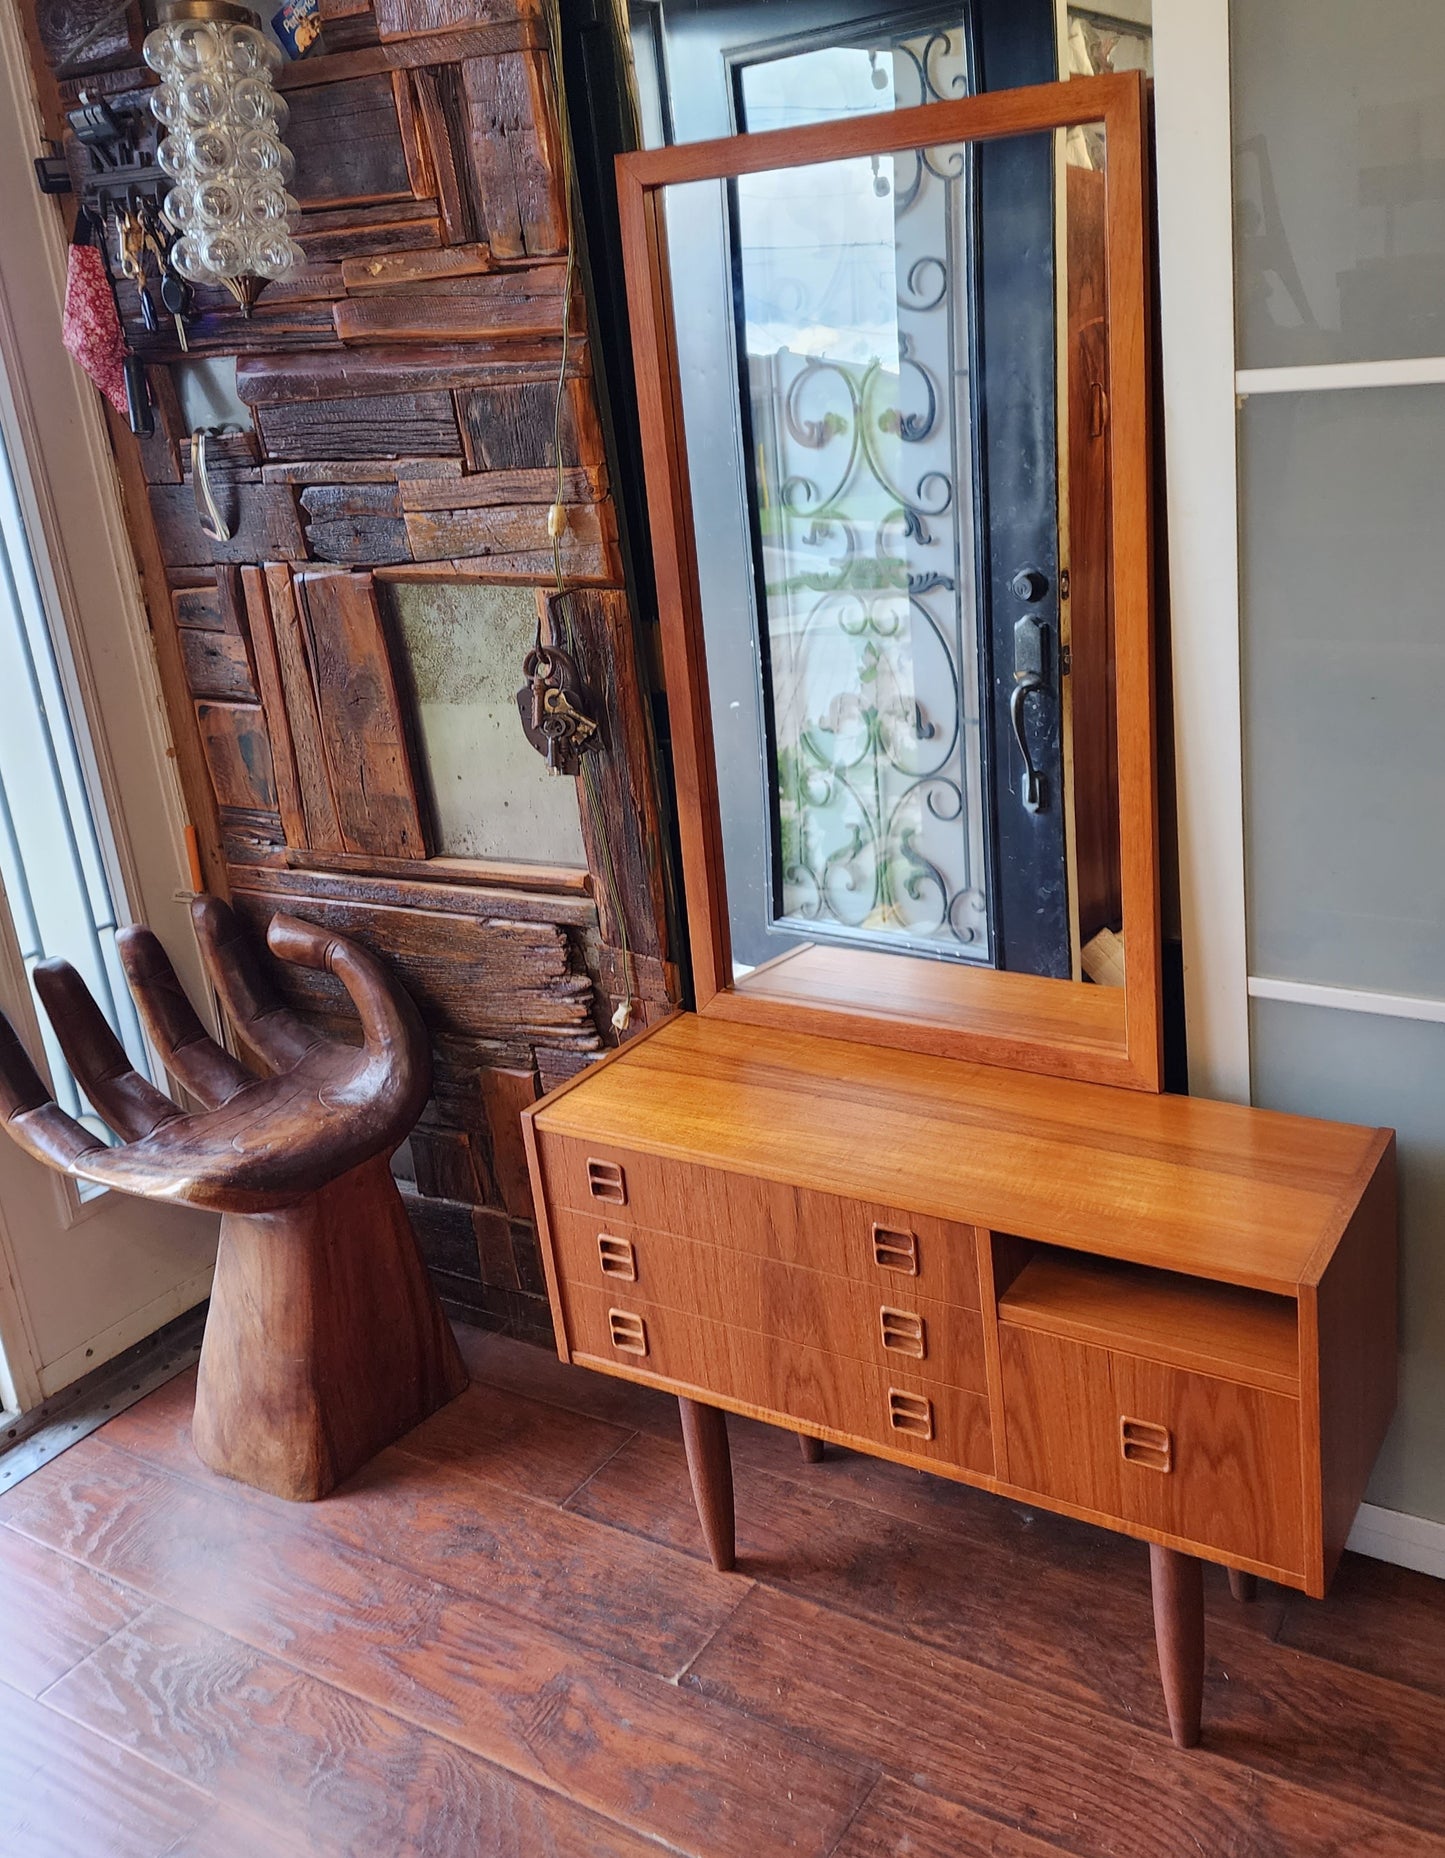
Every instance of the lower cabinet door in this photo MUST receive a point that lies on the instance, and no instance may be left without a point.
(1210, 1461)
(796, 1385)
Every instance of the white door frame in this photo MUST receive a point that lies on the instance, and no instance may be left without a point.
(118, 1268)
(1196, 286)
(1202, 391)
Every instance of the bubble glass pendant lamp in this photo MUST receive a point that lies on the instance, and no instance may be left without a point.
(222, 149)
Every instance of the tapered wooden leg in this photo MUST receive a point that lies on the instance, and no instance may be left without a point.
(812, 1449)
(324, 1342)
(710, 1466)
(1244, 1587)
(1178, 1585)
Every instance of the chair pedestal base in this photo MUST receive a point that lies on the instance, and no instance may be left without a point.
(325, 1340)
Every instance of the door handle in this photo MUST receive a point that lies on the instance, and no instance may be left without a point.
(208, 511)
(1031, 791)
(1030, 660)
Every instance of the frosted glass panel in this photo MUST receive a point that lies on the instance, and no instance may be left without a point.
(1343, 560)
(1339, 126)
(1358, 1068)
(491, 793)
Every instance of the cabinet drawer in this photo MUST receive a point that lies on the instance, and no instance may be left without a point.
(796, 1385)
(883, 1324)
(876, 1244)
(1210, 1461)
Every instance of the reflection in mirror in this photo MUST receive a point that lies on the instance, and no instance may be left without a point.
(491, 795)
(896, 411)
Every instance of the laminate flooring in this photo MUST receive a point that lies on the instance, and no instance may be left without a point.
(503, 1638)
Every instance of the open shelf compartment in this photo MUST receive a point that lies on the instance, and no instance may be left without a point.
(1246, 1336)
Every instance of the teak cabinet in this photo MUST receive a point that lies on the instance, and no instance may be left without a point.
(1172, 1318)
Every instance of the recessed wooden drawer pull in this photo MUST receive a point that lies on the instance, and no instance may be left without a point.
(617, 1256)
(1142, 1442)
(896, 1251)
(903, 1332)
(910, 1412)
(629, 1332)
(606, 1181)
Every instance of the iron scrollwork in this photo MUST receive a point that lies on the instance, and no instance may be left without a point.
(862, 482)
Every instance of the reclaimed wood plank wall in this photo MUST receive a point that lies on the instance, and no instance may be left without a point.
(398, 400)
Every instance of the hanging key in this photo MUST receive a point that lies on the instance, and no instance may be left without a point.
(132, 262)
(552, 704)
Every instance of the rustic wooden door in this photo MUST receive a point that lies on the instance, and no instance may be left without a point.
(389, 432)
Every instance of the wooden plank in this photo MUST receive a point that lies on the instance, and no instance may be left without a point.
(514, 545)
(442, 126)
(569, 880)
(377, 426)
(1350, 1350)
(252, 836)
(347, 142)
(511, 426)
(388, 271)
(202, 608)
(218, 664)
(323, 501)
(156, 584)
(457, 1668)
(515, 148)
(238, 754)
(320, 823)
(505, 1094)
(898, 1818)
(520, 893)
(358, 470)
(495, 306)
(359, 541)
(404, 54)
(356, 219)
(88, 35)
(161, 452)
(492, 489)
(57, 1612)
(1076, 1777)
(622, 833)
(263, 519)
(264, 380)
(66, 1789)
(288, 800)
(421, 170)
(404, 19)
(476, 975)
(312, 1766)
(386, 235)
(363, 730)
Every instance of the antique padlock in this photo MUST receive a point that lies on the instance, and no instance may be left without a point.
(552, 705)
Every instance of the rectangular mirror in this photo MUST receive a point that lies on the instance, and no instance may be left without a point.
(893, 385)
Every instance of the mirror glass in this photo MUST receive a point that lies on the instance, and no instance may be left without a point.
(894, 388)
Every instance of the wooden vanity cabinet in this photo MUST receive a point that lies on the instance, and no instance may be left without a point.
(1172, 1318)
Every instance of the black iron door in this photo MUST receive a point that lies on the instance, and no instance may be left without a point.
(710, 70)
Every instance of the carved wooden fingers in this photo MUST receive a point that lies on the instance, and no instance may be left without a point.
(259, 1143)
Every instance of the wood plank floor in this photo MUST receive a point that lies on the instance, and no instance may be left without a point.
(502, 1638)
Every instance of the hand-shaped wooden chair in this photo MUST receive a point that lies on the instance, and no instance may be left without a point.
(325, 1341)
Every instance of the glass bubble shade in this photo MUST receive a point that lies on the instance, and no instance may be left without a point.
(222, 149)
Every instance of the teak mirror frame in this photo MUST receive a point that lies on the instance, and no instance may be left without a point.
(1063, 1028)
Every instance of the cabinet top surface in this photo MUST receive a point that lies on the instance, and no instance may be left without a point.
(1219, 1190)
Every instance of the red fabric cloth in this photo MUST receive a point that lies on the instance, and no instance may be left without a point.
(90, 328)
